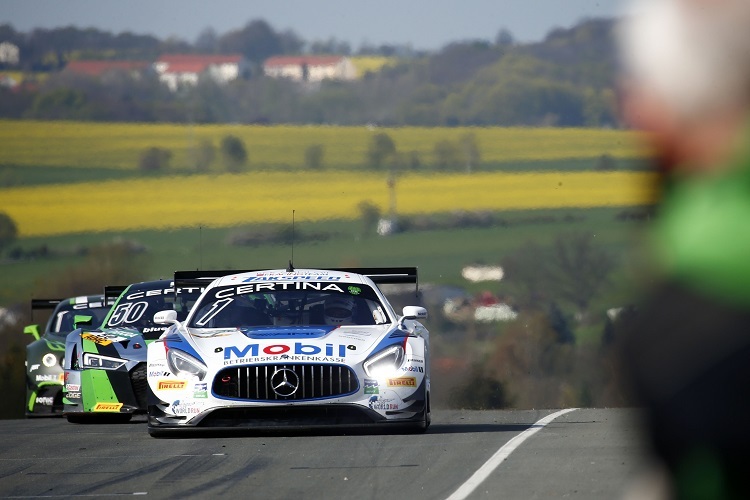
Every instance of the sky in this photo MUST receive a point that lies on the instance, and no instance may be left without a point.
(422, 24)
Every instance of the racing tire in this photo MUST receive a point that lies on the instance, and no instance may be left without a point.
(424, 423)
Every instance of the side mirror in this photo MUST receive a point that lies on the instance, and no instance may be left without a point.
(168, 317)
(414, 312)
(32, 330)
(411, 312)
(82, 320)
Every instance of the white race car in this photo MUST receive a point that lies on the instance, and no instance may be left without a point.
(297, 347)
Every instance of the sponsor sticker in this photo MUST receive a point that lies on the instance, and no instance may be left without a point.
(380, 403)
(296, 352)
(418, 369)
(106, 338)
(44, 400)
(200, 390)
(72, 387)
(169, 385)
(187, 407)
(356, 335)
(152, 329)
(402, 382)
(96, 339)
(48, 378)
(107, 407)
(371, 386)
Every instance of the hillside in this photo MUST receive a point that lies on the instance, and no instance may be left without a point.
(567, 80)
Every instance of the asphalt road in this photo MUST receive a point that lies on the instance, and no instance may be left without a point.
(582, 454)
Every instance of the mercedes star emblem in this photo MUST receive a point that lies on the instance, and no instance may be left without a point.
(284, 382)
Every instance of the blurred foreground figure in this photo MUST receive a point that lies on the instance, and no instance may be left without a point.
(686, 69)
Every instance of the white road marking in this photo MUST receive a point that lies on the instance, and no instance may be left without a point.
(504, 452)
(94, 495)
(123, 457)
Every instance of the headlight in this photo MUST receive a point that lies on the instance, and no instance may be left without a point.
(101, 362)
(180, 362)
(384, 363)
(49, 360)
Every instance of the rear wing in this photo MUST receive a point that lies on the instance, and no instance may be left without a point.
(385, 275)
(44, 303)
(184, 279)
(379, 275)
(112, 292)
(37, 304)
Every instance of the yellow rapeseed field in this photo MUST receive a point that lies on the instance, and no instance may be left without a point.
(371, 64)
(119, 145)
(228, 200)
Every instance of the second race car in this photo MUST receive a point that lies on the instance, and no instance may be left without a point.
(105, 367)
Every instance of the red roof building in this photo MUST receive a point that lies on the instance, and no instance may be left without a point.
(177, 70)
(310, 68)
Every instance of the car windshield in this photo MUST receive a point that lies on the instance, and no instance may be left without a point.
(62, 320)
(246, 306)
(138, 304)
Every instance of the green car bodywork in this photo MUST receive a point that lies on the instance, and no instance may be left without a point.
(44, 356)
(105, 367)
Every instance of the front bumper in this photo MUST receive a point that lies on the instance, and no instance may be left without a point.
(106, 391)
(45, 400)
(267, 418)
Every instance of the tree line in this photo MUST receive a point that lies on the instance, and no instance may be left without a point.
(568, 79)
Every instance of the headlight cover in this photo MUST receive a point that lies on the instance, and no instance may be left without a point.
(101, 362)
(385, 362)
(180, 362)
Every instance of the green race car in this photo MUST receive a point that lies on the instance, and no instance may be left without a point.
(105, 367)
(44, 356)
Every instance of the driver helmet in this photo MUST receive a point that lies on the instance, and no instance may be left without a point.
(338, 310)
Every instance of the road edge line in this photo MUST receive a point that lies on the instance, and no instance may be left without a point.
(500, 455)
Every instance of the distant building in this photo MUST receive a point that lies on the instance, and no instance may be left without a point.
(176, 70)
(101, 68)
(310, 68)
(9, 53)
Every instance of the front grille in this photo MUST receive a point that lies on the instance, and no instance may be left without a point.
(256, 383)
(139, 382)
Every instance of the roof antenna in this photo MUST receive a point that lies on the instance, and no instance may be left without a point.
(291, 265)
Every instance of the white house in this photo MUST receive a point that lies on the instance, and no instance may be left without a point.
(9, 53)
(176, 70)
(310, 68)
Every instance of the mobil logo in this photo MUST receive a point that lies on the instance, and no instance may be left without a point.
(298, 349)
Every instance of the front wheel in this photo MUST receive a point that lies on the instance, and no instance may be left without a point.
(424, 423)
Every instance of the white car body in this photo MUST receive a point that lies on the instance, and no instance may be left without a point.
(289, 368)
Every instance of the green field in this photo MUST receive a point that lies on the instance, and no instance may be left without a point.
(439, 253)
(119, 145)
